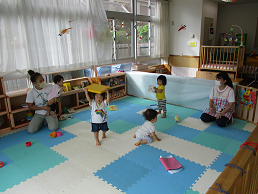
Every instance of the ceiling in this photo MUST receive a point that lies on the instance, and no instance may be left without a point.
(238, 2)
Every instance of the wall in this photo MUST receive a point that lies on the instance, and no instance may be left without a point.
(244, 15)
(209, 10)
(189, 13)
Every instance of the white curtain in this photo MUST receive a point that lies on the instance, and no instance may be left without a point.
(161, 29)
(29, 35)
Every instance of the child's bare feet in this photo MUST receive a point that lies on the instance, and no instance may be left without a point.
(98, 143)
(104, 136)
(164, 115)
(47, 114)
(134, 136)
(138, 143)
(159, 112)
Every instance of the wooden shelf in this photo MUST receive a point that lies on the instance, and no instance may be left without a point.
(5, 126)
(116, 91)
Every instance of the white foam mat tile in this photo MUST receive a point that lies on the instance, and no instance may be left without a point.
(205, 181)
(94, 158)
(194, 123)
(30, 186)
(73, 147)
(80, 129)
(249, 127)
(141, 111)
(92, 185)
(62, 177)
(120, 145)
(186, 149)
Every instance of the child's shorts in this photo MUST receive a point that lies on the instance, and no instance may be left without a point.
(96, 127)
(147, 137)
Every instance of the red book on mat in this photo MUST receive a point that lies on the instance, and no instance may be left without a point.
(171, 164)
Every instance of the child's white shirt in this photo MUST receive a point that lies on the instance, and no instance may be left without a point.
(146, 129)
(98, 112)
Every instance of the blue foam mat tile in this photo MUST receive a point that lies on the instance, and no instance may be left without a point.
(197, 115)
(68, 122)
(43, 136)
(133, 108)
(5, 159)
(191, 171)
(83, 115)
(145, 153)
(219, 163)
(14, 138)
(155, 183)
(124, 173)
(227, 132)
(242, 135)
(182, 132)
(134, 118)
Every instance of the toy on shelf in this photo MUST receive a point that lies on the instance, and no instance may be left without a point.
(29, 115)
(53, 134)
(177, 119)
(1, 164)
(68, 87)
(85, 83)
(68, 110)
(28, 143)
(96, 88)
(62, 118)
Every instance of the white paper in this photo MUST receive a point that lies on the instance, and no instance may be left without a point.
(151, 89)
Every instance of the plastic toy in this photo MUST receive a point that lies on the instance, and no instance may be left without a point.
(1, 164)
(247, 98)
(29, 115)
(59, 133)
(153, 106)
(28, 143)
(53, 134)
(177, 119)
(96, 88)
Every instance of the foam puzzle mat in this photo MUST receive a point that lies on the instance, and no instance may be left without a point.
(73, 163)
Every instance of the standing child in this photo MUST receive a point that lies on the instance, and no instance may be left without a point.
(98, 114)
(147, 129)
(160, 94)
(55, 92)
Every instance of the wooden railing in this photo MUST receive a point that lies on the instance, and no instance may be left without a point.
(233, 180)
(248, 69)
(224, 58)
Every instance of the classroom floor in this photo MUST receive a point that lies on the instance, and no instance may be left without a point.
(73, 164)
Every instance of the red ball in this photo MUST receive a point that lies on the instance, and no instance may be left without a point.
(1, 164)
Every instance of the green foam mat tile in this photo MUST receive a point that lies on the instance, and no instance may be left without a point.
(216, 142)
(120, 126)
(164, 124)
(190, 191)
(20, 151)
(233, 147)
(11, 175)
(238, 124)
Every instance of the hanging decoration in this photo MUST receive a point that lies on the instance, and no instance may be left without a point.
(248, 98)
(66, 30)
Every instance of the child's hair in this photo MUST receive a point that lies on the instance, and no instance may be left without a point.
(225, 76)
(33, 75)
(163, 79)
(58, 78)
(150, 114)
(102, 94)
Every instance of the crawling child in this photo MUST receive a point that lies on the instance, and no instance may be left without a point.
(147, 129)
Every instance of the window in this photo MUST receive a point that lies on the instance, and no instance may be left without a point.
(121, 38)
(103, 70)
(146, 7)
(118, 6)
(144, 38)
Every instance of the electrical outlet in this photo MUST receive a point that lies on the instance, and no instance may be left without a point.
(172, 23)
